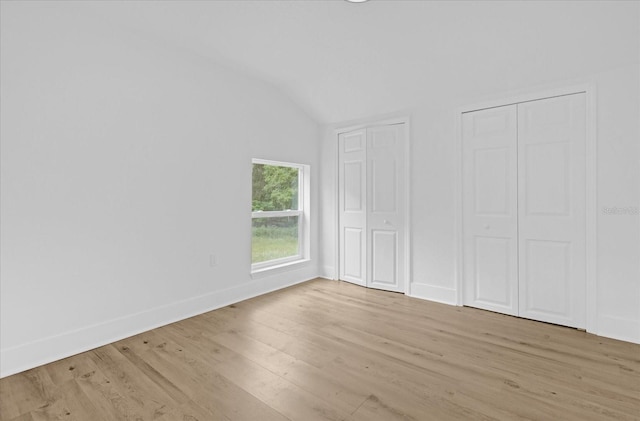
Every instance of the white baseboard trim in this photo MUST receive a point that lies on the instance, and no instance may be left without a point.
(26, 356)
(434, 293)
(327, 272)
(619, 328)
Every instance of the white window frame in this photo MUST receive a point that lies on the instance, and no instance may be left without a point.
(302, 213)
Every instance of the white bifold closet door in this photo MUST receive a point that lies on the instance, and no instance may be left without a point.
(524, 209)
(371, 203)
(490, 209)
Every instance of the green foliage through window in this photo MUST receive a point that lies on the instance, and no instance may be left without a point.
(274, 238)
(277, 228)
(275, 188)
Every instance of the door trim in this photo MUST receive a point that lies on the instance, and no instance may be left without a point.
(407, 197)
(591, 206)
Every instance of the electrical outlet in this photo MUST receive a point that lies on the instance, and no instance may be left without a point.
(213, 260)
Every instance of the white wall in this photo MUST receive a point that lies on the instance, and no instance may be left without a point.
(433, 140)
(125, 164)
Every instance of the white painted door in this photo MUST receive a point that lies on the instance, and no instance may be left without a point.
(352, 176)
(385, 202)
(551, 203)
(371, 207)
(490, 225)
(524, 209)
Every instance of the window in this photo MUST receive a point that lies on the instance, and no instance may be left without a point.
(279, 221)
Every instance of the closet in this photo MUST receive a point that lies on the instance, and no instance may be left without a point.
(523, 209)
(372, 221)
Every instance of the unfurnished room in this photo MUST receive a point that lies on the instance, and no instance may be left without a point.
(299, 210)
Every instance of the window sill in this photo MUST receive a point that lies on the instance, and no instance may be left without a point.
(275, 269)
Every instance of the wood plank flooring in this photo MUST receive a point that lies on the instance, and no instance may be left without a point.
(327, 350)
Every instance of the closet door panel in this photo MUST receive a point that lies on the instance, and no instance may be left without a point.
(384, 249)
(551, 186)
(385, 201)
(372, 207)
(490, 270)
(547, 271)
(352, 203)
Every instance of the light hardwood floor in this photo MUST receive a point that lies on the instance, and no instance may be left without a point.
(326, 350)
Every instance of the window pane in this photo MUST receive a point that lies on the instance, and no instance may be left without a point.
(275, 188)
(274, 238)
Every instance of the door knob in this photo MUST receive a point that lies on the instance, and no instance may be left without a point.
(386, 222)
(486, 226)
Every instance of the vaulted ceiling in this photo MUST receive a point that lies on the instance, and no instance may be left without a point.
(342, 61)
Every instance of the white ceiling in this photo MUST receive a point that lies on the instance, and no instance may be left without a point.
(342, 61)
